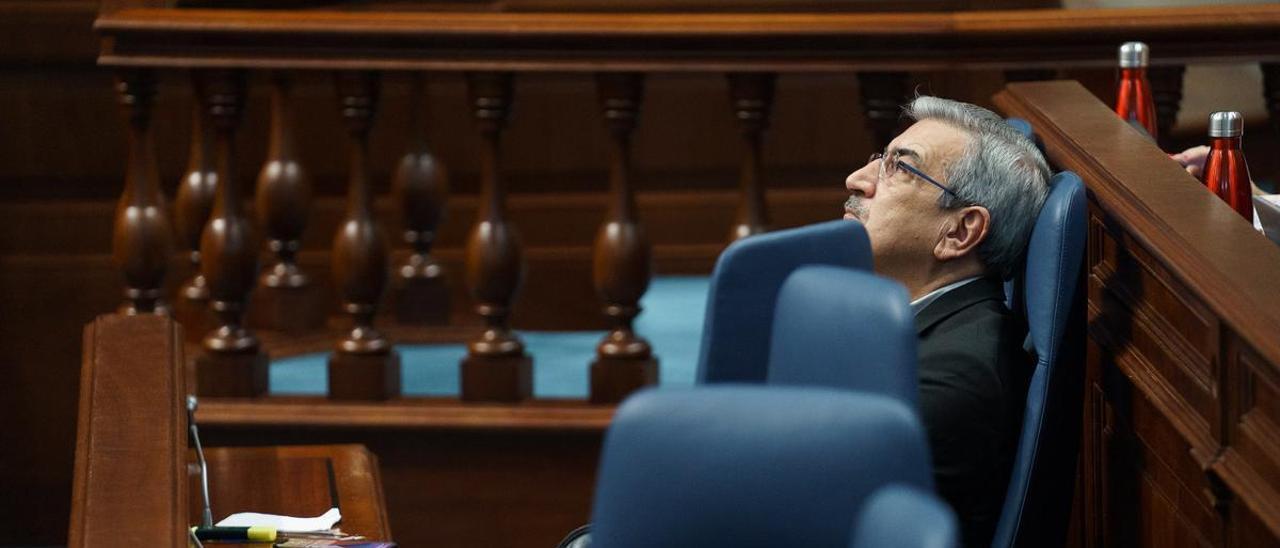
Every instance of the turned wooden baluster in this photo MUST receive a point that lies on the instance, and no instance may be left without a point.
(624, 361)
(421, 186)
(752, 97)
(285, 300)
(191, 212)
(496, 367)
(1271, 92)
(143, 239)
(1166, 90)
(883, 94)
(232, 363)
(364, 365)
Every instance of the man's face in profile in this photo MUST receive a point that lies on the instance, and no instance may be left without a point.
(900, 211)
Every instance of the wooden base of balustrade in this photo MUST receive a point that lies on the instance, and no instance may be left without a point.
(501, 379)
(613, 379)
(422, 301)
(364, 376)
(196, 317)
(231, 375)
(292, 310)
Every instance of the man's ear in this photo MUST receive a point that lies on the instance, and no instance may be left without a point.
(963, 231)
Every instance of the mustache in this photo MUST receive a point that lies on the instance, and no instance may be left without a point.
(854, 205)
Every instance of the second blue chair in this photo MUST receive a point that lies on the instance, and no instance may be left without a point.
(843, 328)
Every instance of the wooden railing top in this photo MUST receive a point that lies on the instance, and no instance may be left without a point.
(130, 485)
(418, 40)
(1234, 269)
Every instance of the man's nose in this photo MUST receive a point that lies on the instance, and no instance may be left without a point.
(863, 181)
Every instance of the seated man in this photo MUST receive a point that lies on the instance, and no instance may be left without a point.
(949, 208)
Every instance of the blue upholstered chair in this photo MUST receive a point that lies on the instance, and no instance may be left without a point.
(843, 328)
(1038, 500)
(748, 466)
(744, 287)
(900, 516)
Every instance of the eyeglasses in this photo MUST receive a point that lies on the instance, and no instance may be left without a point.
(889, 165)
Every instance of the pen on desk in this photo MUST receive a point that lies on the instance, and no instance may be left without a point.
(250, 534)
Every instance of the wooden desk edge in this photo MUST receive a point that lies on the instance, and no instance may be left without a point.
(406, 413)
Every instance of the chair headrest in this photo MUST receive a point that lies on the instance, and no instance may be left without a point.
(1023, 126)
(1054, 255)
(744, 288)
(843, 328)
(737, 465)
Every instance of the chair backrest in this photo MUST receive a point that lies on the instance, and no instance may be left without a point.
(748, 466)
(1013, 289)
(842, 328)
(1034, 510)
(899, 516)
(745, 284)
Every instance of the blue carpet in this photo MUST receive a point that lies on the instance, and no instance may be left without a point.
(671, 321)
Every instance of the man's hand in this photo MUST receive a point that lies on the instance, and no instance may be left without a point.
(1192, 159)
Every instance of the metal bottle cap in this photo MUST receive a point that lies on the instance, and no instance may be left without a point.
(1134, 55)
(1226, 124)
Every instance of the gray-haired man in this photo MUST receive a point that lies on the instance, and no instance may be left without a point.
(949, 208)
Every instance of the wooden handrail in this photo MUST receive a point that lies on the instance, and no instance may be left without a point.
(783, 42)
(1196, 236)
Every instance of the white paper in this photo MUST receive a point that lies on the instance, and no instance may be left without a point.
(284, 524)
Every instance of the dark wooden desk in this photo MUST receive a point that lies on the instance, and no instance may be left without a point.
(302, 481)
(134, 482)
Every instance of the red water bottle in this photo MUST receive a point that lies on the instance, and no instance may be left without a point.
(1134, 102)
(1225, 171)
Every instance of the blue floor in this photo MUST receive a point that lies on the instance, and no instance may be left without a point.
(671, 321)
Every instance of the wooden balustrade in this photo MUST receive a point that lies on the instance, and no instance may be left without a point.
(1166, 90)
(752, 49)
(143, 239)
(191, 211)
(1271, 92)
(751, 95)
(284, 297)
(421, 186)
(496, 367)
(232, 363)
(364, 365)
(622, 264)
(883, 94)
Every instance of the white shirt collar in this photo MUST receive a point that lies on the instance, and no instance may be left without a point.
(919, 304)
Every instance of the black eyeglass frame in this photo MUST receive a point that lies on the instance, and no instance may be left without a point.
(885, 158)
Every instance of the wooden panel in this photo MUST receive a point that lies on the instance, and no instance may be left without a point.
(295, 481)
(1252, 464)
(1147, 321)
(130, 485)
(504, 476)
(1181, 440)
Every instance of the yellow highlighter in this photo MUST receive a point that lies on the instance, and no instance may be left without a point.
(239, 534)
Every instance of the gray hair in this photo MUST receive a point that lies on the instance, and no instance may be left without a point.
(1000, 169)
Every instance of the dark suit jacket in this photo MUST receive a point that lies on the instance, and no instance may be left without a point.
(973, 387)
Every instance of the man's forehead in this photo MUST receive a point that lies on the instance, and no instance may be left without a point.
(926, 139)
